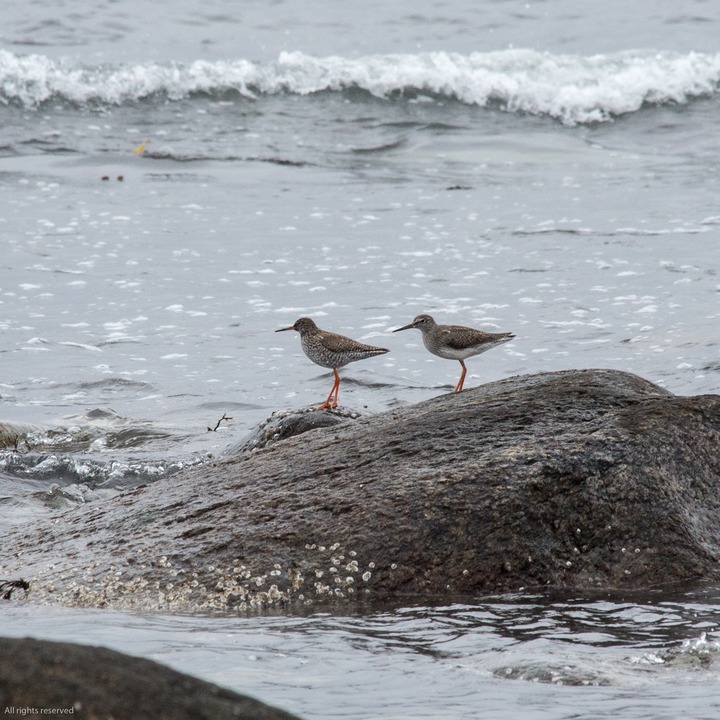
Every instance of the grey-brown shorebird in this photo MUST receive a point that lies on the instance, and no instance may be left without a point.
(331, 350)
(455, 342)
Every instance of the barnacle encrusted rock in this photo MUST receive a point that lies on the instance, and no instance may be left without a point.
(575, 479)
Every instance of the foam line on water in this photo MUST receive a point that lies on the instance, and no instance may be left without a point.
(571, 88)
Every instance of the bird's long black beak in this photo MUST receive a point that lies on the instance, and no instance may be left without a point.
(405, 327)
(292, 327)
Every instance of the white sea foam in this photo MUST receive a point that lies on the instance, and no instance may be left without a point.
(571, 88)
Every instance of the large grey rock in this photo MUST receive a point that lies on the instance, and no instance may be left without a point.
(577, 479)
(94, 683)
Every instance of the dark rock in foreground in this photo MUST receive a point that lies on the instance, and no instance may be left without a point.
(578, 479)
(69, 680)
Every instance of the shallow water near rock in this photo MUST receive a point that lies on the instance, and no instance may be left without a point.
(533, 655)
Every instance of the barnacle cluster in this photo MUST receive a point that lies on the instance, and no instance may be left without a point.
(162, 583)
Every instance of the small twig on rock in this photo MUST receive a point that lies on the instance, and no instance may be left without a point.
(217, 424)
(7, 587)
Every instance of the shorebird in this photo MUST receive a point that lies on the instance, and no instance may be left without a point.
(331, 350)
(455, 342)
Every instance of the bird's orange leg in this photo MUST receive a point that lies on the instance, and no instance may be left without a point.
(459, 386)
(337, 388)
(334, 391)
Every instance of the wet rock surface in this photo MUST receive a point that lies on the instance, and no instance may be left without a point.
(69, 680)
(290, 423)
(575, 479)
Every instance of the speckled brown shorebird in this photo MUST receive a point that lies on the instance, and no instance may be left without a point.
(331, 350)
(455, 342)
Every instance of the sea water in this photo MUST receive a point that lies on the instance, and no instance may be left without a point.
(180, 180)
(553, 656)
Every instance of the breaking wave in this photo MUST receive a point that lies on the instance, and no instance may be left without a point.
(570, 88)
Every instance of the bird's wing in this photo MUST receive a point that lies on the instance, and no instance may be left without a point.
(459, 337)
(340, 343)
(337, 343)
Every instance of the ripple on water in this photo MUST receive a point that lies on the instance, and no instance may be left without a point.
(525, 655)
